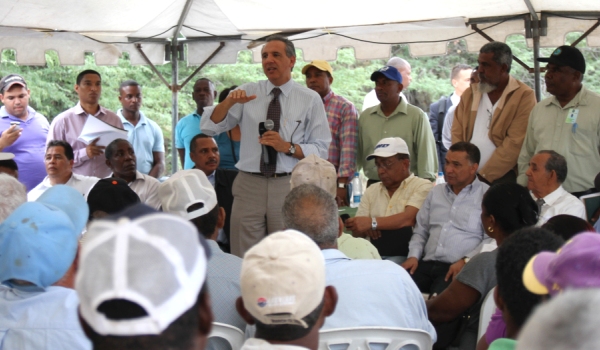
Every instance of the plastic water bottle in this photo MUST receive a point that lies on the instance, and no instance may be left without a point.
(440, 179)
(357, 191)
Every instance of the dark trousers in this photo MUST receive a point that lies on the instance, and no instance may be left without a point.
(429, 276)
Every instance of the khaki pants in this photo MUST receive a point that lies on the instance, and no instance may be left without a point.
(256, 211)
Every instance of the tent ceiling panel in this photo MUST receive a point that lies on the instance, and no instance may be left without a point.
(198, 52)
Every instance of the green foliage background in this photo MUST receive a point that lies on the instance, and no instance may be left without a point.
(52, 86)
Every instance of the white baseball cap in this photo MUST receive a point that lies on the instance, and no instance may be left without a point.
(152, 259)
(315, 171)
(6, 156)
(283, 278)
(185, 188)
(390, 146)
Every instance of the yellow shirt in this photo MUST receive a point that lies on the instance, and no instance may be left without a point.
(376, 201)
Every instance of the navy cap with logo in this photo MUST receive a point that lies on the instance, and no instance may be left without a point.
(566, 56)
(388, 72)
(10, 80)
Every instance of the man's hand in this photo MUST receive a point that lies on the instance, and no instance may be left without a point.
(9, 136)
(92, 150)
(373, 234)
(273, 139)
(358, 225)
(342, 197)
(410, 265)
(239, 96)
(454, 269)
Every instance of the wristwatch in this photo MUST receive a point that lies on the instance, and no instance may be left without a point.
(373, 223)
(342, 185)
(292, 150)
(466, 259)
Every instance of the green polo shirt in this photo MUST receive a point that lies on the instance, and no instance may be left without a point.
(407, 122)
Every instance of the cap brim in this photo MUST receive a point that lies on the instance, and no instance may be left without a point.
(8, 86)
(381, 154)
(6, 156)
(536, 273)
(376, 75)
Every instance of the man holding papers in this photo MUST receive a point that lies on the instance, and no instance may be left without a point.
(68, 126)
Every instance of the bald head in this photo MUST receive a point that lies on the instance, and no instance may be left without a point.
(404, 68)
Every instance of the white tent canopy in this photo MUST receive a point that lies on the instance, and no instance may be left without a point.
(110, 27)
(216, 30)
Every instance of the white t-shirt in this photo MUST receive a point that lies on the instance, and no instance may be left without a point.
(483, 120)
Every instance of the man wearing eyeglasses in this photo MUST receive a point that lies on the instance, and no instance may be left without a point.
(389, 208)
(493, 115)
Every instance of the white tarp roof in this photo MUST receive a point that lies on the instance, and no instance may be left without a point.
(108, 27)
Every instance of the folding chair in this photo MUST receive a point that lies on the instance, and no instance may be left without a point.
(359, 338)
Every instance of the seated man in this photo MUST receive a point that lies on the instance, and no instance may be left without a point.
(110, 196)
(449, 230)
(204, 152)
(142, 282)
(284, 292)
(321, 173)
(120, 158)
(189, 194)
(8, 164)
(388, 209)
(59, 167)
(35, 313)
(13, 194)
(368, 289)
(545, 176)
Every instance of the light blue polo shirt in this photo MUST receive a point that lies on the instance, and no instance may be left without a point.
(186, 129)
(146, 137)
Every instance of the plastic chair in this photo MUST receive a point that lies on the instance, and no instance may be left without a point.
(485, 315)
(359, 338)
(233, 335)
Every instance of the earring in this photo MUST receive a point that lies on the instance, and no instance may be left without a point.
(490, 229)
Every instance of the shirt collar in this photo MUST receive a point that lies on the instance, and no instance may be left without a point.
(334, 254)
(142, 121)
(552, 197)
(476, 184)
(401, 108)
(455, 99)
(4, 114)
(579, 100)
(211, 178)
(285, 88)
(79, 110)
(328, 97)
(214, 247)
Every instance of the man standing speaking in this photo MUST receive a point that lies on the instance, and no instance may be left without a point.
(300, 128)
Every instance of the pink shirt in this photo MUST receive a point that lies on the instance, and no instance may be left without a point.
(68, 125)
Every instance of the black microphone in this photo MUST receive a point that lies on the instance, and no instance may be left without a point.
(268, 151)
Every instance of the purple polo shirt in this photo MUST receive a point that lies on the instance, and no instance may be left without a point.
(68, 125)
(29, 149)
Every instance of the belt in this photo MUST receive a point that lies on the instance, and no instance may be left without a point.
(276, 175)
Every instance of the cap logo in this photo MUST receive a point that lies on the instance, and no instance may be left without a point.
(382, 145)
(384, 69)
(556, 52)
(262, 302)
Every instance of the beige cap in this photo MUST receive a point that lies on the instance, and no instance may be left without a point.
(390, 146)
(315, 171)
(185, 188)
(283, 278)
(320, 65)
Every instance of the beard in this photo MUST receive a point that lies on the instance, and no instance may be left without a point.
(486, 88)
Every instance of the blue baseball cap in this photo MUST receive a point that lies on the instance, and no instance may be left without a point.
(388, 72)
(38, 241)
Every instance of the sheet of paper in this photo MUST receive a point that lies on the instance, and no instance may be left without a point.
(95, 128)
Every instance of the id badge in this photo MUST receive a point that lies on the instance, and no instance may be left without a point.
(572, 116)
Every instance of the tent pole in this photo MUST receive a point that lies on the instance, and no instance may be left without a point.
(535, 28)
(174, 102)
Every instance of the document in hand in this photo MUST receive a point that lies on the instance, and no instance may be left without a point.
(95, 128)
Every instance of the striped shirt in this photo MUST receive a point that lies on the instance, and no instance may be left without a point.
(343, 123)
(298, 103)
(449, 225)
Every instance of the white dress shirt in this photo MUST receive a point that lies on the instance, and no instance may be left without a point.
(83, 184)
(146, 188)
(560, 202)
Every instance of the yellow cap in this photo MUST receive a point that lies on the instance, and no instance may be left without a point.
(320, 65)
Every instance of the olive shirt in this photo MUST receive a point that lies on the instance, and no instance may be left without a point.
(407, 122)
(549, 129)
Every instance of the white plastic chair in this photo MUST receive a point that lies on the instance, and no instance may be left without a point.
(233, 335)
(485, 315)
(359, 338)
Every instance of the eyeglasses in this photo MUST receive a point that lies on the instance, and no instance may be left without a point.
(489, 118)
(384, 166)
